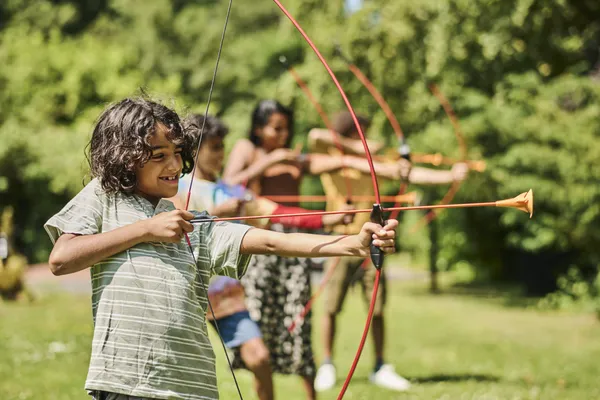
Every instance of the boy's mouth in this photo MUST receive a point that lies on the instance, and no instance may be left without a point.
(170, 179)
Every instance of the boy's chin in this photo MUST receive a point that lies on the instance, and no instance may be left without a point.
(165, 193)
(169, 193)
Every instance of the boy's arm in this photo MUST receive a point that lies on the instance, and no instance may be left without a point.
(258, 241)
(393, 171)
(427, 176)
(325, 137)
(321, 163)
(72, 253)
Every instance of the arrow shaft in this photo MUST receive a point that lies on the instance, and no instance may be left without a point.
(359, 211)
(408, 198)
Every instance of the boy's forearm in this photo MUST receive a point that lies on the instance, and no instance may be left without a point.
(73, 253)
(321, 163)
(357, 146)
(258, 241)
(384, 170)
(427, 176)
(354, 146)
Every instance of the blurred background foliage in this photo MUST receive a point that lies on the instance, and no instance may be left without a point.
(522, 75)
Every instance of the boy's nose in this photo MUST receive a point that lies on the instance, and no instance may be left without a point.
(176, 164)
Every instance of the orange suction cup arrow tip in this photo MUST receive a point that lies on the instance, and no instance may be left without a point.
(523, 202)
(478, 166)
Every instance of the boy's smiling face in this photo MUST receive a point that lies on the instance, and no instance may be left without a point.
(159, 177)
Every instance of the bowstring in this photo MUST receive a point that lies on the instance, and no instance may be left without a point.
(187, 203)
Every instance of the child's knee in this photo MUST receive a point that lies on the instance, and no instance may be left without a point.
(256, 354)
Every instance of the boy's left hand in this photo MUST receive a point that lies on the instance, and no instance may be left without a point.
(383, 237)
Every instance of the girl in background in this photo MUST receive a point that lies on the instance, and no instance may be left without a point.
(231, 317)
(276, 287)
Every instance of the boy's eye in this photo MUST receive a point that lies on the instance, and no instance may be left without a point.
(157, 156)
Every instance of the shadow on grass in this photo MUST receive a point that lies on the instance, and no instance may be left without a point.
(439, 378)
(503, 294)
(453, 378)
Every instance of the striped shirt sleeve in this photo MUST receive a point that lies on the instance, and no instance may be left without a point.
(81, 216)
(224, 241)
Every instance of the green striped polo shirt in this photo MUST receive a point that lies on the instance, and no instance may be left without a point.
(149, 302)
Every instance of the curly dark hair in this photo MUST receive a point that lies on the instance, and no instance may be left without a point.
(213, 127)
(344, 124)
(120, 141)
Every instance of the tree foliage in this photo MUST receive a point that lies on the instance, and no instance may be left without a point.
(519, 73)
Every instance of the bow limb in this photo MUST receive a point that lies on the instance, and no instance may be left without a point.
(189, 193)
(460, 137)
(336, 138)
(338, 144)
(462, 144)
(374, 92)
(376, 255)
(403, 148)
(342, 93)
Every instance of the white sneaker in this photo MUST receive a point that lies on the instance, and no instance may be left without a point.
(387, 377)
(325, 379)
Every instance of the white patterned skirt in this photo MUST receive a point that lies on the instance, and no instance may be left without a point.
(277, 288)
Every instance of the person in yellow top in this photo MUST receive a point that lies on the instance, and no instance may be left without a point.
(335, 185)
(12, 264)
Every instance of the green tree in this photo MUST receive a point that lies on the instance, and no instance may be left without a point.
(519, 74)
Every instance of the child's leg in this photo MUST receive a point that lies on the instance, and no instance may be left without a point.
(334, 295)
(256, 356)
(240, 331)
(309, 386)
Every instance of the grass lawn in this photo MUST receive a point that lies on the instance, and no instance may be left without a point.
(451, 346)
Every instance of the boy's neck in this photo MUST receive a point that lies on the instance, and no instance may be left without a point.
(151, 199)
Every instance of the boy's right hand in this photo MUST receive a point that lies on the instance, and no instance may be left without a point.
(169, 227)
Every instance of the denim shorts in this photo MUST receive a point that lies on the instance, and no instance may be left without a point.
(236, 329)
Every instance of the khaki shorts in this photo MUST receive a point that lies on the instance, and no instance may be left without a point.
(347, 271)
